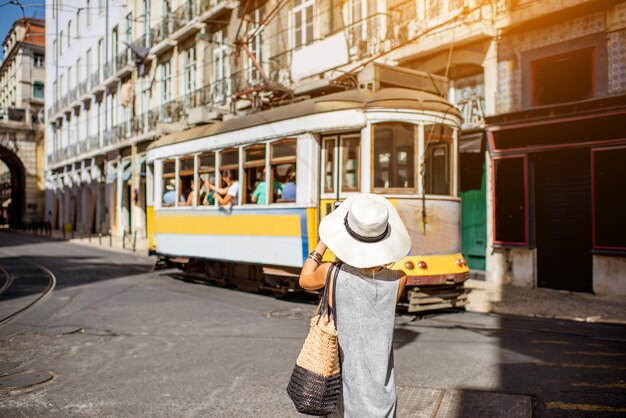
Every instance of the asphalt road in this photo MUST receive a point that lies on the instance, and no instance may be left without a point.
(151, 345)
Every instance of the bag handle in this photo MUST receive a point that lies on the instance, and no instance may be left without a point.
(324, 305)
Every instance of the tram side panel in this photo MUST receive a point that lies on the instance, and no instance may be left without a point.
(276, 237)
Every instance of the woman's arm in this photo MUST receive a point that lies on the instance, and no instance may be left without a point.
(223, 200)
(190, 199)
(401, 284)
(219, 190)
(313, 275)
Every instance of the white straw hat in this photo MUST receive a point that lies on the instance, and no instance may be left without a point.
(365, 231)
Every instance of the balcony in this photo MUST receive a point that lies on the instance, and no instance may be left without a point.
(95, 78)
(12, 114)
(171, 112)
(185, 13)
(160, 34)
(122, 63)
(209, 9)
(94, 141)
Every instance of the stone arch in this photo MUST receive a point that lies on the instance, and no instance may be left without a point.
(18, 186)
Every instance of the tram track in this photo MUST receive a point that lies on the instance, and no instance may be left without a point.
(12, 281)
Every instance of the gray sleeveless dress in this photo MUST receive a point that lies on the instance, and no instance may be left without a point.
(366, 305)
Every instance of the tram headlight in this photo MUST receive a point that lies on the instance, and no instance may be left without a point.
(461, 262)
(409, 265)
(422, 265)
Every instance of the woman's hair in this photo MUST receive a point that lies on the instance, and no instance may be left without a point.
(231, 174)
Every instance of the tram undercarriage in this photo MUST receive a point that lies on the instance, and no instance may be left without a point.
(280, 281)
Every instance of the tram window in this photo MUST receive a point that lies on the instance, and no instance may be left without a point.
(329, 165)
(283, 171)
(254, 174)
(185, 180)
(229, 161)
(350, 164)
(206, 174)
(438, 144)
(169, 183)
(394, 157)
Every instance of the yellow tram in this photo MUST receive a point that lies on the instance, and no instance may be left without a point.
(293, 162)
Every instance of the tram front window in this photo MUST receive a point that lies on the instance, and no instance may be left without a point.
(283, 171)
(394, 158)
(169, 183)
(438, 145)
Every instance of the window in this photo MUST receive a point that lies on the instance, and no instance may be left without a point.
(114, 43)
(38, 90)
(54, 48)
(564, 78)
(189, 77)
(283, 171)
(437, 155)
(39, 60)
(206, 173)
(229, 164)
(329, 164)
(303, 18)
(169, 183)
(185, 182)
(609, 172)
(510, 201)
(255, 46)
(255, 186)
(101, 6)
(88, 12)
(128, 34)
(220, 68)
(61, 43)
(88, 64)
(395, 148)
(350, 163)
(78, 71)
(100, 58)
(69, 33)
(341, 154)
(166, 82)
(78, 22)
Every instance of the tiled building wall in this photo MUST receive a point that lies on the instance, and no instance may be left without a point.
(509, 98)
(617, 62)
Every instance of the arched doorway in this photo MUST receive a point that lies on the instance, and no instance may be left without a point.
(13, 186)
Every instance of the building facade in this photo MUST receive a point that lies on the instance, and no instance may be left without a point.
(126, 73)
(22, 80)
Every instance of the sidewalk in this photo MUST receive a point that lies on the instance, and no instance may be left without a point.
(104, 242)
(544, 303)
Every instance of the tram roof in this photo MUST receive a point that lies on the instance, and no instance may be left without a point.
(386, 98)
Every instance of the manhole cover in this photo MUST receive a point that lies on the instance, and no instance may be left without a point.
(9, 365)
(292, 313)
(24, 380)
(61, 330)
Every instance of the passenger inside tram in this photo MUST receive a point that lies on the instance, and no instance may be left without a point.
(289, 187)
(207, 195)
(228, 195)
(259, 195)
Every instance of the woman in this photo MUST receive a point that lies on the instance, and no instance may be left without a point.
(228, 195)
(366, 233)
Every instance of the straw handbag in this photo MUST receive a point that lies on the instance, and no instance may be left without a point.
(315, 382)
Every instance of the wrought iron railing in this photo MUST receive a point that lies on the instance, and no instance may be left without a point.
(183, 14)
(122, 59)
(95, 78)
(162, 30)
(13, 114)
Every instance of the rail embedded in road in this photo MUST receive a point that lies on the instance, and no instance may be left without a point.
(10, 280)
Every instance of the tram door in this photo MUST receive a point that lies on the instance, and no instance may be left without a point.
(341, 169)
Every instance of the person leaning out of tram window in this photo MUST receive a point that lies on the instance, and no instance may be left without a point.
(229, 195)
(289, 188)
(367, 234)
